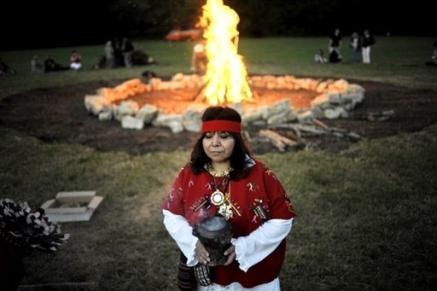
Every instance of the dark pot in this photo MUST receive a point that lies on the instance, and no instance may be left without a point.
(215, 234)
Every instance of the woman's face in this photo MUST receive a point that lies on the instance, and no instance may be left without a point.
(218, 146)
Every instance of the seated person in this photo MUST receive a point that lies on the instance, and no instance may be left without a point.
(36, 65)
(75, 61)
(319, 57)
(334, 57)
(51, 66)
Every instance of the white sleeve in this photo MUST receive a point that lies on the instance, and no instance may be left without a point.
(260, 243)
(181, 231)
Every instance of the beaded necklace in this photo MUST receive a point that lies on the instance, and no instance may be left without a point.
(219, 198)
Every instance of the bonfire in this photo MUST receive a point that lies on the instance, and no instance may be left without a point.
(262, 100)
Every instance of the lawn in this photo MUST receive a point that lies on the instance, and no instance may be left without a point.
(396, 60)
(366, 216)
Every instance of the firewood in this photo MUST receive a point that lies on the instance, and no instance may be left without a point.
(320, 129)
(279, 141)
(380, 115)
(320, 123)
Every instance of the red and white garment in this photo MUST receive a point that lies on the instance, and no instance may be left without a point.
(259, 243)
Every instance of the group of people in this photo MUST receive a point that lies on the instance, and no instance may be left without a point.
(118, 53)
(50, 65)
(359, 44)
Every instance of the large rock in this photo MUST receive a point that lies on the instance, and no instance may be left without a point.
(132, 123)
(282, 117)
(172, 121)
(105, 115)
(252, 116)
(147, 113)
(335, 113)
(277, 108)
(321, 101)
(192, 120)
(96, 104)
(126, 108)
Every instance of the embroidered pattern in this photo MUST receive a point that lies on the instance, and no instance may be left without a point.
(202, 202)
(252, 186)
(271, 174)
(261, 210)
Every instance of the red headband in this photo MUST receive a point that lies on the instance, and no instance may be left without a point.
(221, 125)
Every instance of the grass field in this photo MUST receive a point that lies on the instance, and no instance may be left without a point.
(366, 216)
(396, 60)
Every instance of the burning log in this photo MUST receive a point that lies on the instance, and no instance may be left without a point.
(279, 141)
(181, 35)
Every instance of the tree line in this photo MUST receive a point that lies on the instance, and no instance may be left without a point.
(63, 22)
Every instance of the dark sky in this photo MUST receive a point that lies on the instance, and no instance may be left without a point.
(34, 23)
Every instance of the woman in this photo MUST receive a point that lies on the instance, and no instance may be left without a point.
(75, 61)
(222, 178)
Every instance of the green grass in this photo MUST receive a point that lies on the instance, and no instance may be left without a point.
(396, 60)
(366, 216)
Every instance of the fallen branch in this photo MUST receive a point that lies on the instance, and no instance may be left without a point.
(301, 129)
(320, 123)
(279, 141)
(380, 115)
(319, 128)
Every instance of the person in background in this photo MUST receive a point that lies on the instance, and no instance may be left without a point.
(36, 65)
(320, 58)
(127, 50)
(118, 54)
(223, 179)
(50, 65)
(367, 43)
(109, 55)
(335, 42)
(355, 45)
(199, 59)
(75, 60)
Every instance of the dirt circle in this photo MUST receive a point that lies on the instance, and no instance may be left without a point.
(59, 115)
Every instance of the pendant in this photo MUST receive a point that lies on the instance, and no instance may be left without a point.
(217, 198)
(226, 211)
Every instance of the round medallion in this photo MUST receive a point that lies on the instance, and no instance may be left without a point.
(217, 198)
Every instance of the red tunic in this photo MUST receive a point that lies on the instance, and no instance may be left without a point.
(189, 197)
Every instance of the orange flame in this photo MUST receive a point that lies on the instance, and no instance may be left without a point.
(226, 74)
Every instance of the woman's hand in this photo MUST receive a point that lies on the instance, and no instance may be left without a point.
(202, 254)
(230, 252)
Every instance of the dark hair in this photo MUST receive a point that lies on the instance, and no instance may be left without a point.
(238, 157)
